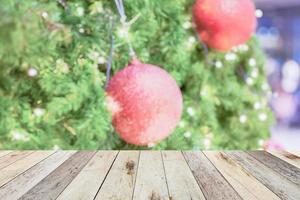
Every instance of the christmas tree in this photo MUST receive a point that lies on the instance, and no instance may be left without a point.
(53, 57)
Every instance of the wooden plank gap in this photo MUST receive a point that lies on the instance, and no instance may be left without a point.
(28, 179)
(278, 184)
(244, 183)
(106, 176)
(285, 169)
(52, 185)
(212, 183)
(137, 170)
(86, 184)
(119, 183)
(170, 197)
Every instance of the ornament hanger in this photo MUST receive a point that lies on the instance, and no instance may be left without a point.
(126, 25)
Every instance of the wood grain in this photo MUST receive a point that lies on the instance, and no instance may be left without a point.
(3, 153)
(149, 175)
(277, 183)
(88, 181)
(13, 157)
(11, 171)
(212, 183)
(248, 187)
(151, 181)
(51, 186)
(181, 182)
(285, 169)
(287, 157)
(119, 183)
(24, 182)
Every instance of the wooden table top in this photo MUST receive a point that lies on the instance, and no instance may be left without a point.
(149, 175)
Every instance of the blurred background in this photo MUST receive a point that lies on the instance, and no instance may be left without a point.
(279, 35)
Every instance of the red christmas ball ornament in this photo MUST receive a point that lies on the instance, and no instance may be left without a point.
(145, 102)
(223, 24)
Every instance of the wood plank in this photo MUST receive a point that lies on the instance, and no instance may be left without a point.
(277, 183)
(151, 181)
(3, 153)
(24, 182)
(287, 157)
(212, 183)
(285, 169)
(11, 171)
(13, 157)
(297, 153)
(88, 181)
(248, 187)
(119, 183)
(51, 186)
(180, 179)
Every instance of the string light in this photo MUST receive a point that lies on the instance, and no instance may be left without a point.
(252, 62)
(243, 119)
(230, 57)
(80, 11)
(101, 60)
(56, 147)
(45, 15)
(218, 64)
(249, 81)
(38, 112)
(81, 30)
(259, 13)
(19, 136)
(187, 134)
(151, 145)
(257, 106)
(254, 73)
(32, 72)
(243, 47)
(262, 117)
(181, 124)
(187, 25)
(207, 143)
(191, 111)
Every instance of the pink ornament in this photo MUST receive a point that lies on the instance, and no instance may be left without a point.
(145, 102)
(223, 24)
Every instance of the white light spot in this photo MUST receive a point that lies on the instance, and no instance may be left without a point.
(32, 72)
(257, 106)
(262, 117)
(44, 15)
(254, 73)
(265, 87)
(207, 143)
(252, 62)
(181, 124)
(230, 57)
(151, 145)
(218, 64)
(261, 142)
(80, 11)
(38, 112)
(243, 119)
(259, 13)
(243, 47)
(81, 30)
(187, 25)
(191, 111)
(192, 40)
(101, 60)
(56, 147)
(187, 134)
(249, 81)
